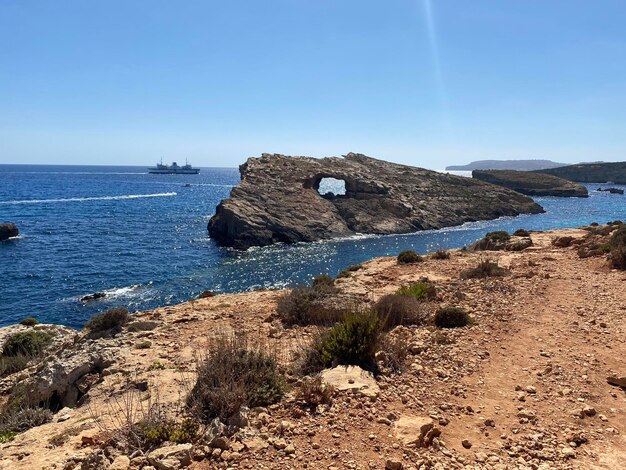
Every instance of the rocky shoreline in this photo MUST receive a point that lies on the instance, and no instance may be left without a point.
(533, 382)
(532, 184)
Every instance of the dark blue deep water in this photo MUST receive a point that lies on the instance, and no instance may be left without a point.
(142, 239)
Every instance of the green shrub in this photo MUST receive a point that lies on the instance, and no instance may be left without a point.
(354, 341)
(618, 239)
(156, 365)
(441, 254)
(498, 236)
(112, 319)
(323, 281)
(485, 268)
(349, 270)
(617, 258)
(232, 375)
(520, 232)
(313, 392)
(29, 321)
(409, 257)
(419, 290)
(305, 305)
(452, 317)
(27, 343)
(143, 345)
(396, 309)
(15, 419)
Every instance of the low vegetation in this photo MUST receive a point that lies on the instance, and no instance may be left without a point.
(419, 291)
(354, 341)
(27, 343)
(520, 232)
(409, 257)
(233, 374)
(485, 268)
(29, 321)
(15, 419)
(396, 309)
(313, 392)
(617, 248)
(112, 319)
(440, 254)
(498, 236)
(349, 270)
(305, 305)
(452, 317)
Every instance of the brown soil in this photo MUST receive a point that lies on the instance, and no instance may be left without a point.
(544, 340)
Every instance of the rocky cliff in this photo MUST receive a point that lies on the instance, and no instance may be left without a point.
(278, 201)
(532, 184)
(591, 172)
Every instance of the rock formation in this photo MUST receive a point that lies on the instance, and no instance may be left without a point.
(611, 190)
(591, 172)
(7, 231)
(278, 201)
(532, 184)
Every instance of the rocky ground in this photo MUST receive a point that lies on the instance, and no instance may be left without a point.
(524, 387)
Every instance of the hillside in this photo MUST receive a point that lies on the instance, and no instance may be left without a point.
(520, 165)
(591, 172)
(523, 386)
(531, 183)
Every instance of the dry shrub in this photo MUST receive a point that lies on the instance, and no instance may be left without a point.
(441, 254)
(112, 319)
(313, 392)
(520, 232)
(393, 353)
(29, 321)
(21, 348)
(485, 268)
(452, 317)
(617, 258)
(349, 270)
(307, 306)
(409, 257)
(16, 418)
(396, 309)
(137, 426)
(233, 374)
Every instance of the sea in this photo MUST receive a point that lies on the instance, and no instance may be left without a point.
(142, 239)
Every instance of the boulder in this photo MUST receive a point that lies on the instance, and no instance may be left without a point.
(532, 184)
(418, 431)
(611, 190)
(8, 231)
(351, 378)
(94, 296)
(617, 380)
(277, 200)
(171, 457)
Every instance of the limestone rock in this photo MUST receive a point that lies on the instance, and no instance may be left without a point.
(532, 184)
(171, 457)
(351, 378)
(8, 231)
(416, 430)
(277, 201)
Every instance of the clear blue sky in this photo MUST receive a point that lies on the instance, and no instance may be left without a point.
(418, 82)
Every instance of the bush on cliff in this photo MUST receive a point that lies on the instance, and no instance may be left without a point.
(498, 236)
(305, 305)
(485, 268)
(29, 321)
(617, 247)
(396, 309)
(27, 343)
(409, 257)
(441, 254)
(112, 319)
(231, 375)
(452, 317)
(520, 232)
(354, 341)
(419, 291)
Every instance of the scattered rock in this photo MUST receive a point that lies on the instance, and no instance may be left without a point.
(8, 231)
(466, 443)
(394, 464)
(617, 380)
(171, 457)
(351, 378)
(416, 430)
(94, 296)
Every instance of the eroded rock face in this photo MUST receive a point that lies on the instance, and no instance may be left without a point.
(8, 231)
(277, 201)
(532, 184)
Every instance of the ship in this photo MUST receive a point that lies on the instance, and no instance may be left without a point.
(173, 169)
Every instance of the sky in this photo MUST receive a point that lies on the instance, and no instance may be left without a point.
(422, 82)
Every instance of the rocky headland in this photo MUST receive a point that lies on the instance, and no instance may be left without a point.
(591, 172)
(277, 200)
(532, 184)
(519, 165)
(501, 359)
(8, 231)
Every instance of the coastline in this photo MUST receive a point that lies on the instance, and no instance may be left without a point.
(552, 327)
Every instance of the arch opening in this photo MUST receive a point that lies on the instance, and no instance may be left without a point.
(330, 187)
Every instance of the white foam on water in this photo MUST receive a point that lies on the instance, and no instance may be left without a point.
(84, 199)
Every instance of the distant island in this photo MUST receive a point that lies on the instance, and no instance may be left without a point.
(519, 165)
(598, 172)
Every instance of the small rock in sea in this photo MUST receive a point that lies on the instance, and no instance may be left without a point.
(94, 296)
(8, 231)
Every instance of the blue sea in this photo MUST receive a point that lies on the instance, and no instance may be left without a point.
(142, 239)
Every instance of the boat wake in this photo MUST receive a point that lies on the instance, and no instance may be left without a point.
(84, 199)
